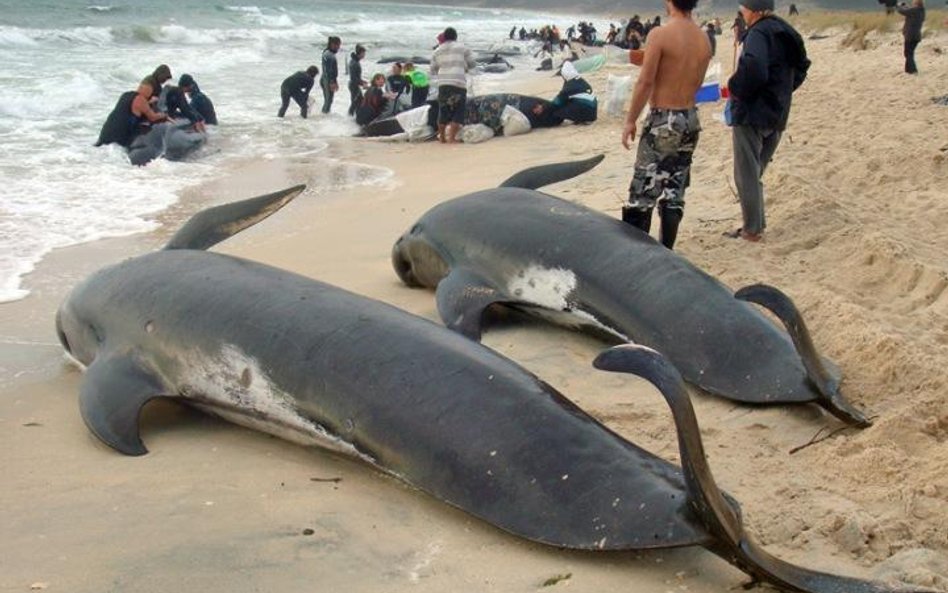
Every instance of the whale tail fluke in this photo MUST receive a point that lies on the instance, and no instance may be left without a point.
(826, 383)
(537, 177)
(719, 515)
(213, 225)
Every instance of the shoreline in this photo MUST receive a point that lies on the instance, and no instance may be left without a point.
(223, 508)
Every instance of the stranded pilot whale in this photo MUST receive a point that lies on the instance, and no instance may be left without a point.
(516, 246)
(319, 365)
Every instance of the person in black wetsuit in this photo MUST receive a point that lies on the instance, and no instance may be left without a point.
(356, 83)
(396, 81)
(199, 102)
(329, 80)
(175, 104)
(131, 117)
(297, 87)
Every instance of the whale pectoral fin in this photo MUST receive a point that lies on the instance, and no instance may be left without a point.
(213, 225)
(462, 298)
(111, 398)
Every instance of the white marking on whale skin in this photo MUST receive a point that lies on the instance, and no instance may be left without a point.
(550, 289)
(233, 386)
(547, 287)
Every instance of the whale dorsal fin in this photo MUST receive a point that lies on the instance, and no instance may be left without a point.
(213, 225)
(536, 177)
(113, 392)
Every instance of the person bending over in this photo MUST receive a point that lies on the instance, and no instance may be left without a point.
(199, 102)
(297, 87)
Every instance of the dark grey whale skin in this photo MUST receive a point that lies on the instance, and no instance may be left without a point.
(306, 360)
(472, 247)
(423, 403)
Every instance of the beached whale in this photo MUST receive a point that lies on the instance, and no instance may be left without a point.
(403, 60)
(482, 109)
(318, 365)
(519, 247)
(175, 140)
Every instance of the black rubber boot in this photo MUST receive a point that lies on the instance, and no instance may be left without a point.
(640, 219)
(671, 218)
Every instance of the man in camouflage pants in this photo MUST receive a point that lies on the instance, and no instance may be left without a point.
(673, 66)
(662, 170)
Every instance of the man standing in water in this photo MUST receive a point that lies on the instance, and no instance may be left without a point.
(673, 63)
(329, 80)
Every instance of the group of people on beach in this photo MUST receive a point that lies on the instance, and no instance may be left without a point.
(673, 58)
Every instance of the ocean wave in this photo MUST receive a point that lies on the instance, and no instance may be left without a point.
(21, 36)
(49, 98)
(103, 8)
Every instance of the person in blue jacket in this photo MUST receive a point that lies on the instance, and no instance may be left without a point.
(772, 65)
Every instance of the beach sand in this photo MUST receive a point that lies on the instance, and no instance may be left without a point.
(857, 236)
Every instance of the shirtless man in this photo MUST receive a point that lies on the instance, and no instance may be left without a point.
(673, 64)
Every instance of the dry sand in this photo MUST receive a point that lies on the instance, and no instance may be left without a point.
(858, 236)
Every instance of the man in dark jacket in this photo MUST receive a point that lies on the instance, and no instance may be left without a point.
(912, 31)
(329, 81)
(772, 65)
(297, 87)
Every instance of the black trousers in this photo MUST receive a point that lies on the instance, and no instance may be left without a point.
(327, 95)
(355, 98)
(910, 66)
(297, 95)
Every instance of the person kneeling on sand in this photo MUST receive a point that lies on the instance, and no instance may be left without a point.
(375, 101)
(575, 101)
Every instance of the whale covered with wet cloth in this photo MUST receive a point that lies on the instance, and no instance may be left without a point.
(519, 247)
(321, 366)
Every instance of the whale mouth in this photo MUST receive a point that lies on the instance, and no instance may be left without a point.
(403, 266)
(62, 334)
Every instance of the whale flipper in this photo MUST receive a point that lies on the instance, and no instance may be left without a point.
(462, 298)
(111, 398)
(211, 226)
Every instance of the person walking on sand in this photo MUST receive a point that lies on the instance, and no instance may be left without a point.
(912, 31)
(329, 81)
(450, 63)
(673, 63)
(772, 65)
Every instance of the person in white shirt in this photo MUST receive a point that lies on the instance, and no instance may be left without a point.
(450, 64)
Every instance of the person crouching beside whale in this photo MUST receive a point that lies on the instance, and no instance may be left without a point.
(375, 101)
(575, 101)
(198, 101)
(297, 87)
(131, 117)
